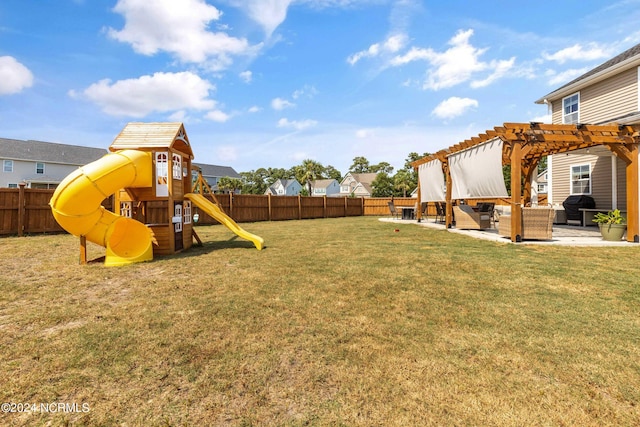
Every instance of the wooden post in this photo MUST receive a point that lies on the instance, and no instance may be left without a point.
(21, 208)
(83, 250)
(230, 204)
(324, 205)
(633, 209)
(419, 213)
(345, 206)
(516, 191)
(269, 201)
(449, 206)
(299, 206)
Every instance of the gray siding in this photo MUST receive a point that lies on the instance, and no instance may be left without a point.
(26, 171)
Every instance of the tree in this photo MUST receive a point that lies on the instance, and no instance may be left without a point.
(331, 172)
(382, 185)
(229, 184)
(404, 182)
(309, 171)
(382, 167)
(360, 165)
(254, 181)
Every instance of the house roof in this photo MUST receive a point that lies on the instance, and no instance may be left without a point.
(217, 171)
(322, 183)
(141, 136)
(49, 152)
(364, 178)
(284, 182)
(627, 59)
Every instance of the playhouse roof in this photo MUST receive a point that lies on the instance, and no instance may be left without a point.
(141, 136)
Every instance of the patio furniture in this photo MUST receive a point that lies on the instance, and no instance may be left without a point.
(572, 206)
(393, 210)
(537, 223)
(489, 208)
(408, 212)
(441, 212)
(468, 219)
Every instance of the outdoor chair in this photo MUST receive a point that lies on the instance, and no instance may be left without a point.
(393, 210)
(488, 208)
(537, 223)
(441, 212)
(468, 219)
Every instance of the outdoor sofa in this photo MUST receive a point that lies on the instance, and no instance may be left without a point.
(537, 223)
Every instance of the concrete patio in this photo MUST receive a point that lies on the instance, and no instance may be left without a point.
(563, 235)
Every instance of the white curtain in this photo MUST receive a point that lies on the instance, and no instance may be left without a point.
(477, 171)
(431, 181)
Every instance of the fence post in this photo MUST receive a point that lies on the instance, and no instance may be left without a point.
(362, 206)
(346, 204)
(299, 206)
(231, 205)
(269, 199)
(21, 208)
(324, 205)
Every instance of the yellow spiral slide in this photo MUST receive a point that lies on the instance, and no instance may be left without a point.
(76, 205)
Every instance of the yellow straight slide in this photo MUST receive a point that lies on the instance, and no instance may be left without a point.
(216, 213)
(76, 205)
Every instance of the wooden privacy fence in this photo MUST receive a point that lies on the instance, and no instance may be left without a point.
(26, 210)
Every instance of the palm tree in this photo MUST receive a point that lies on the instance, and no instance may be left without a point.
(309, 171)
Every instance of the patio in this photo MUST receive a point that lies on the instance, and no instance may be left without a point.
(563, 235)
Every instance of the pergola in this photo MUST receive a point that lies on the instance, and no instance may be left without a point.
(524, 144)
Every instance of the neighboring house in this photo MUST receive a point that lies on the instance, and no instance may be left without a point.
(542, 182)
(284, 187)
(41, 164)
(213, 173)
(325, 187)
(606, 94)
(357, 184)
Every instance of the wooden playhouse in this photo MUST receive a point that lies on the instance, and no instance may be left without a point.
(162, 207)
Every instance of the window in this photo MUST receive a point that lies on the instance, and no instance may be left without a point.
(177, 166)
(187, 212)
(125, 209)
(40, 168)
(8, 166)
(12, 186)
(581, 179)
(570, 109)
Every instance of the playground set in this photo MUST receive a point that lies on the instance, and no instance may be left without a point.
(149, 172)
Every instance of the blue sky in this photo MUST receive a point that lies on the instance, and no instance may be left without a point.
(268, 83)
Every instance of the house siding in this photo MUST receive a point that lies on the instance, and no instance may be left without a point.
(600, 177)
(26, 171)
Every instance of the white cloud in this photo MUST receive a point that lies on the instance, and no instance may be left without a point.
(391, 45)
(160, 92)
(500, 69)
(179, 28)
(254, 109)
(246, 76)
(454, 107)
(281, 104)
(577, 52)
(456, 65)
(556, 79)
(14, 77)
(217, 116)
(297, 125)
(308, 91)
(268, 14)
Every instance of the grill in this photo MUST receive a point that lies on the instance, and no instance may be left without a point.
(572, 206)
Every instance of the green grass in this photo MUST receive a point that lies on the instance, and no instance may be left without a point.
(337, 322)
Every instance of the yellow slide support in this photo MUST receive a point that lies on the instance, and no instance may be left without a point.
(76, 205)
(216, 213)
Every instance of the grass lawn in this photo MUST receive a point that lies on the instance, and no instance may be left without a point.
(337, 322)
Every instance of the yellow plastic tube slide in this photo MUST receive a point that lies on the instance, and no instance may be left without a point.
(76, 205)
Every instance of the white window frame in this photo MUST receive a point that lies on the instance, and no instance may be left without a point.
(187, 212)
(37, 168)
(577, 112)
(126, 209)
(7, 166)
(176, 160)
(12, 185)
(572, 191)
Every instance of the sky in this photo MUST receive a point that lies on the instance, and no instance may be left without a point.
(269, 83)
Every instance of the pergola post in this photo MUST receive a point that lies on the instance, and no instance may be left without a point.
(516, 191)
(633, 210)
(449, 206)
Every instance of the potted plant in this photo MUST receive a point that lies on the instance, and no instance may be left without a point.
(612, 225)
